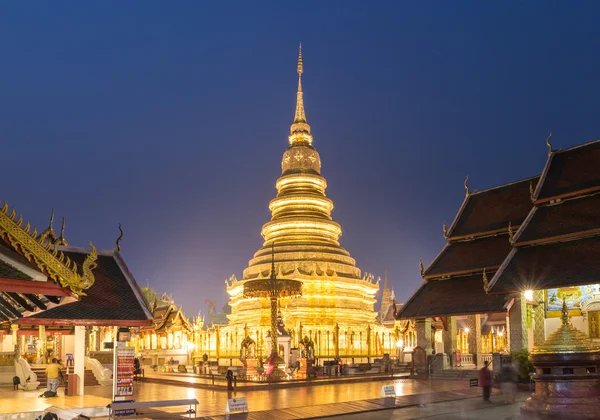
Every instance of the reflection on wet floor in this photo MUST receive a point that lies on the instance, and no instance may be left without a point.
(212, 402)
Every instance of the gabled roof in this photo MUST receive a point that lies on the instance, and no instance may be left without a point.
(45, 257)
(469, 256)
(562, 220)
(114, 299)
(454, 296)
(569, 172)
(491, 210)
(559, 264)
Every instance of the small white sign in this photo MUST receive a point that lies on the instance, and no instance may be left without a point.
(236, 404)
(388, 391)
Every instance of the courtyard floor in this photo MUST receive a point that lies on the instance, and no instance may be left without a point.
(213, 402)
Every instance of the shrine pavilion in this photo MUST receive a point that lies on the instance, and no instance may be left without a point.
(61, 301)
(513, 254)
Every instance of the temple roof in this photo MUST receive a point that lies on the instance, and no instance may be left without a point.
(454, 296)
(558, 264)
(464, 257)
(573, 216)
(571, 171)
(8, 271)
(493, 209)
(113, 300)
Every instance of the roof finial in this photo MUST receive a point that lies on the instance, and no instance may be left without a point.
(485, 281)
(548, 144)
(118, 243)
(61, 239)
(421, 268)
(300, 130)
(445, 230)
(531, 191)
(511, 235)
(467, 187)
(51, 219)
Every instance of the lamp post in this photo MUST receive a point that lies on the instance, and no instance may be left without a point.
(273, 289)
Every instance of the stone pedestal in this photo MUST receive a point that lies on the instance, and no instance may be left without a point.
(306, 368)
(251, 372)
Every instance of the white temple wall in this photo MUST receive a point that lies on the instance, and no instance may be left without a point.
(68, 346)
(7, 343)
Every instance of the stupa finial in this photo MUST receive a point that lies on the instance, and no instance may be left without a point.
(564, 313)
(300, 130)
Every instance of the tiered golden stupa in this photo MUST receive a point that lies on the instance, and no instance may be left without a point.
(336, 309)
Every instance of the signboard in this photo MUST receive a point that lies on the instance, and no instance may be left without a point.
(124, 369)
(127, 412)
(236, 404)
(388, 391)
(473, 382)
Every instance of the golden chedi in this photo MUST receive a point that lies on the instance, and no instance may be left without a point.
(567, 376)
(336, 301)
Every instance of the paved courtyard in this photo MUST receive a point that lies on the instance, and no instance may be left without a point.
(213, 402)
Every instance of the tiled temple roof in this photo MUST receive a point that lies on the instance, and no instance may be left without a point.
(573, 216)
(464, 257)
(454, 296)
(114, 298)
(493, 209)
(571, 171)
(558, 264)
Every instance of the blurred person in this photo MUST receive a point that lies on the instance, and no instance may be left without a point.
(508, 382)
(485, 381)
(53, 374)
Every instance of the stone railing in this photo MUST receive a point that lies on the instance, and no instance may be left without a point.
(466, 359)
(102, 374)
(486, 357)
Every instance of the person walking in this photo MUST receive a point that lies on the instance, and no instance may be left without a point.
(52, 374)
(485, 381)
(508, 383)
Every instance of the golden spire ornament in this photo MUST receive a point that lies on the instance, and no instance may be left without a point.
(300, 130)
(61, 239)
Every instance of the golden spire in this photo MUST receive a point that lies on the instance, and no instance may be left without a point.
(300, 130)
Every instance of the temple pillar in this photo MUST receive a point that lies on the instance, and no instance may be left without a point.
(423, 330)
(474, 323)
(14, 328)
(369, 331)
(449, 336)
(218, 343)
(517, 332)
(539, 316)
(337, 341)
(79, 356)
(41, 347)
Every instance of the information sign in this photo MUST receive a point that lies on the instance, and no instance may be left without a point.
(124, 378)
(236, 404)
(473, 382)
(388, 391)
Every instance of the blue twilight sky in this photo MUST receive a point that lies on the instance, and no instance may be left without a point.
(171, 118)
